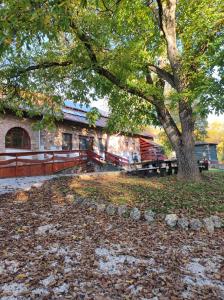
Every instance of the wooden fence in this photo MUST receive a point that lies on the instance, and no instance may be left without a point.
(115, 159)
(150, 150)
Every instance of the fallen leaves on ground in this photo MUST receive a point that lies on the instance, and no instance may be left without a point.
(52, 249)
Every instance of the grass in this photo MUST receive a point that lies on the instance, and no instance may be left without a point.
(160, 194)
(216, 170)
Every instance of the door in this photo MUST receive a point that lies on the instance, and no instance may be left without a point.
(86, 143)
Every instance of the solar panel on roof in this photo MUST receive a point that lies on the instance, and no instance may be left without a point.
(77, 105)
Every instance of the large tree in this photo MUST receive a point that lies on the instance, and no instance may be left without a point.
(148, 57)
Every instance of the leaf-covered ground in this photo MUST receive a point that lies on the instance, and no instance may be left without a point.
(53, 249)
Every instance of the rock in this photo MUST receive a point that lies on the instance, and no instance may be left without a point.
(111, 209)
(183, 223)
(69, 197)
(100, 207)
(90, 204)
(85, 202)
(27, 189)
(118, 286)
(48, 280)
(45, 229)
(37, 185)
(135, 214)
(40, 292)
(78, 201)
(209, 225)
(62, 289)
(195, 224)
(122, 210)
(171, 220)
(135, 289)
(156, 292)
(217, 221)
(149, 216)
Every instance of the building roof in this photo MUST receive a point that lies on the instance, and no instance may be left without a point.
(76, 112)
(80, 117)
(82, 107)
(146, 134)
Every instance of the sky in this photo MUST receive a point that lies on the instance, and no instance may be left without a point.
(102, 105)
(214, 117)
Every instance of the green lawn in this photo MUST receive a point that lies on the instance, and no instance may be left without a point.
(216, 170)
(160, 194)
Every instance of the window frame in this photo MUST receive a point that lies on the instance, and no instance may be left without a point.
(24, 136)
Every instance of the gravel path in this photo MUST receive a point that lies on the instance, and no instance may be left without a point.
(9, 185)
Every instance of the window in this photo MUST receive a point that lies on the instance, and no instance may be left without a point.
(17, 138)
(66, 141)
(86, 143)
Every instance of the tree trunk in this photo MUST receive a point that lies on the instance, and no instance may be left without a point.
(182, 143)
(187, 165)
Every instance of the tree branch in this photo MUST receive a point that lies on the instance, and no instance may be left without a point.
(160, 13)
(167, 23)
(44, 65)
(109, 9)
(108, 74)
(169, 125)
(164, 75)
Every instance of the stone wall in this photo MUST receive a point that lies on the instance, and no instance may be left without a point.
(52, 140)
(9, 121)
(124, 146)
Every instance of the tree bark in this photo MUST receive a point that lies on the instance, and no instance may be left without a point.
(182, 142)
(187, 165)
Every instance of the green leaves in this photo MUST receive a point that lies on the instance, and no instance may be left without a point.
(125, 38)
(83, 3)
(93, 115)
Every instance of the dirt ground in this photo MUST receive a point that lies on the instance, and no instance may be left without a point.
(53, 249)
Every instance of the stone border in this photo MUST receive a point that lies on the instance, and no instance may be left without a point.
(149, 216)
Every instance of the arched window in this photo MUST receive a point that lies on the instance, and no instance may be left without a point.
(17, 138)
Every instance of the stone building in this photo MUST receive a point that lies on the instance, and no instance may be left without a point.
(71, 133)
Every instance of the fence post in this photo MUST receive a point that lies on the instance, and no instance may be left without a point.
(53, 167)
(16, 165)
(43, 166)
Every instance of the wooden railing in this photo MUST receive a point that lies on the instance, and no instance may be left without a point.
(150, 151)
(95, 157)
(16, 164)
(115, 159)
